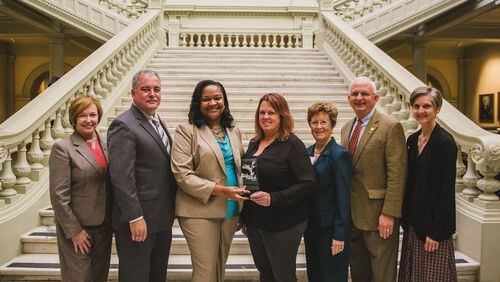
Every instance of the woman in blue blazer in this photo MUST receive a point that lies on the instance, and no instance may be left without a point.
(327, 233)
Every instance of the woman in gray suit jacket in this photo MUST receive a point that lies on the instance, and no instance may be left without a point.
(79, 196)
(206, 161)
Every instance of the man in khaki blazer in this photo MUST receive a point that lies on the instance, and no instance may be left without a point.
(377, 187)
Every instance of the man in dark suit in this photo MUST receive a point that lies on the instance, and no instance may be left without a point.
(378, 145)
(143, 185)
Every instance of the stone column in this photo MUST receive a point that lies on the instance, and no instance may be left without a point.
(462, 82)
(419, 60)
(11, 91)
(56, 55)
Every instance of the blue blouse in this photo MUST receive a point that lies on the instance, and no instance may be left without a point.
(231, 177)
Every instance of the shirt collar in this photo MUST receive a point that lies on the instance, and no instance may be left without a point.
(149, 117)
(367, 118)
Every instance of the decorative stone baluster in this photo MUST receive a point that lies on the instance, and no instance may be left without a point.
(470, 178)
(274, 42)
(183, 40)
(22, 169)
(57, 128)
(252, 41)
(396, 107)
(46, 142)
(489, 185)
(35, 154)
(266, 43)
(207, 40)
(114, 70)
(68, 128)
(124, 61)
(98, 89)
(259, 40)
(133, 49)
(90, 89)
(109, 75)
(104, 81)
(7, 178)
(245, 42)
(128, 55)
(389, 98)
(461, 169)
(191, 40)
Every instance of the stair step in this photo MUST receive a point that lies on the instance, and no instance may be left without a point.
(240, 60)
(180, 77)
(43, 240)
(259, 65)
(225, 50)
(235, 86)
(280, 73)
(255, 56)
(45, 267)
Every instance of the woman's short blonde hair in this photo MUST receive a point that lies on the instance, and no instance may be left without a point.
(323, 107)
(80, 104)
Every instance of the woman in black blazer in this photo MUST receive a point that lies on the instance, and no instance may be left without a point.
(429, 203)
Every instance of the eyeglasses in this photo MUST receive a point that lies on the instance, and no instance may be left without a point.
(363, 94)
(317, 123)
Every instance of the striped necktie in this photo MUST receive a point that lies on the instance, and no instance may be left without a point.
(353, 142)
(161, 132)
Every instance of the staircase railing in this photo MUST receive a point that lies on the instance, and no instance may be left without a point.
(101, 19)
(27, 136)
(358, 56)
(379, 20)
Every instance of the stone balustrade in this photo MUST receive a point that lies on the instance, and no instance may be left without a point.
(129, 8)
(359, 57)
(379, 20)
(241, 39)
(352, 10)
(26, 138)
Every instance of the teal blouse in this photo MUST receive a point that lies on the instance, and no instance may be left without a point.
(231, 177)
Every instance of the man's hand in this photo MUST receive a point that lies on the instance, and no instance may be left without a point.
(430, 245)
(81, 242)
(138, 230)
(385, 225)
(337, 246)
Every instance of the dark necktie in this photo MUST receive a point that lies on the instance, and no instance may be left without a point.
(353, 142)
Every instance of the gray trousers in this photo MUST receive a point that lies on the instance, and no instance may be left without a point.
(275, 253)
(90, 267)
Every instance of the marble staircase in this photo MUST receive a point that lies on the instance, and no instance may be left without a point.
(303, 76)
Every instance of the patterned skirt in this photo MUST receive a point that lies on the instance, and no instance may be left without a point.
(419, 265)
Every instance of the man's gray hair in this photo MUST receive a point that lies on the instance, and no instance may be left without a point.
(141, 73)
(364, 79)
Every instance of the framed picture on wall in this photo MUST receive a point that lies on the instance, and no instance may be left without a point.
(486, 104)
(498, 107)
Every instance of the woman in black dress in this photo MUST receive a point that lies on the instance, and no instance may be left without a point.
(429, 203)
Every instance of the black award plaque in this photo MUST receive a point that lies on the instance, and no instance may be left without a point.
(250, 175)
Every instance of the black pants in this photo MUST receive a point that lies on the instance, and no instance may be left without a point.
(275, 253)
(143, 261)
(322, 266)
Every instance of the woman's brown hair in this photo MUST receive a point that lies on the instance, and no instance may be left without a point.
(280, 105)
(80, 104)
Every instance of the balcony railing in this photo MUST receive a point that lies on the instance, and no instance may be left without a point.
(358, 56)
(27, 136)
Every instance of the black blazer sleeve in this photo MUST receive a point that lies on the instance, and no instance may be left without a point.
(444, 215)
(304, 182)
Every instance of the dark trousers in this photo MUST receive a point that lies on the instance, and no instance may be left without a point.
(90, 267)
(275, 253)
(143, 261)
(322, 266)
(372, 258)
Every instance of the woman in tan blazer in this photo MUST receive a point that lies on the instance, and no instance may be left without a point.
(79, 197)
(206, 161)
